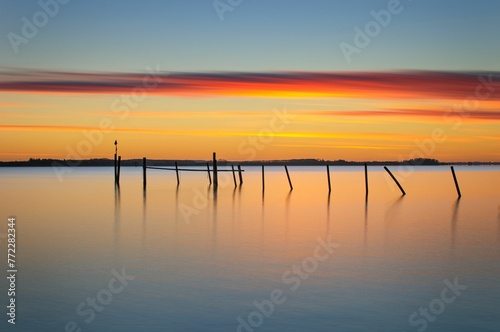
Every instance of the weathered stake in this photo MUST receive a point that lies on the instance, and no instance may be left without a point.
(209, 176)
(144, 172)
(328, 175)
(395, 180)
(288, 176)
(366, 179)
(118, 170)
(456, 182)
(234, 176)
(263, 182)
(115, 167)
(216, 179)
(240, 175)
(177, 173)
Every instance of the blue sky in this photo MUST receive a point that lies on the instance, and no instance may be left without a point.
(258, 35)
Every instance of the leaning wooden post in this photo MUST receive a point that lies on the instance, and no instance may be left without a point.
(240, 175)
(216, 179)
(263, 182)
(395, 180)
(118, 170)
(456, 182)
(288, 176)
(144, 172)
(209, 176)
(234, 176)
(328, 175)
(366, 179)
(177, 173)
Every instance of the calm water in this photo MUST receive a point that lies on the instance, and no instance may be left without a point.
(199, 261)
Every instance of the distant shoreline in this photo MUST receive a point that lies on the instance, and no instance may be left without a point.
(291, 162)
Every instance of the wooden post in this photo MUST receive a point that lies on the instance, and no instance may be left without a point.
(263, 182)
(288, 176)
(144, 172)
(395, 180)
(240, 175)
(366, 179)
(209, 176)
(115, 167)
(216, 179)
(234, 176)
(177, 173)
(328, 175)
(118, 170)
(456, 182)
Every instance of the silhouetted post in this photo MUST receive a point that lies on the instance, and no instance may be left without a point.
(116, 154)
(115, 168)
(240, 175)
(395, 180)
(177, 173)
(328, 175)
(216, 180)
(234, 176)
(209, 176)
(366, 179)
(263, 182)
(118, 170)
(144, 172)
(288, 176)
(456, 182)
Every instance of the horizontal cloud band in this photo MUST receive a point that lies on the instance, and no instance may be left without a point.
(371, 85)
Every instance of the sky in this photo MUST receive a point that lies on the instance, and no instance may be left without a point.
(250, 79)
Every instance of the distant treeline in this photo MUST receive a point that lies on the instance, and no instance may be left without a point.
(292, 162)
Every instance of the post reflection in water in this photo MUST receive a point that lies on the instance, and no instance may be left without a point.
(287, 213)
(454, 217)
(328, 213)
(498, 225)
(116, 230)
(144, 215)
(214, 223)
(233, 213)
(176, 214)
(366, 224)
(392, 215)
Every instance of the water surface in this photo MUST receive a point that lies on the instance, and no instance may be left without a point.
(200, 260)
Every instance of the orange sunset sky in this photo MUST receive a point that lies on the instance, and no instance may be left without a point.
(177, 82)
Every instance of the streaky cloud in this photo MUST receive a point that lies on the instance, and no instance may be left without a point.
(362, 85)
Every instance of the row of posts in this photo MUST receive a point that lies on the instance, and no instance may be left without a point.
(216, 179)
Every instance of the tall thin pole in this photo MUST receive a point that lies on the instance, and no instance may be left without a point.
(116, 154)
(234, 176)
(209, 176)
(366, 179)
(395, 180)
(288, 176)
(144, 172)
(177, 173)
(116, 165)
(263, 182)
(328, 175)
(118, 171)
(216, 179)
(240, 175)
(456, 182)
